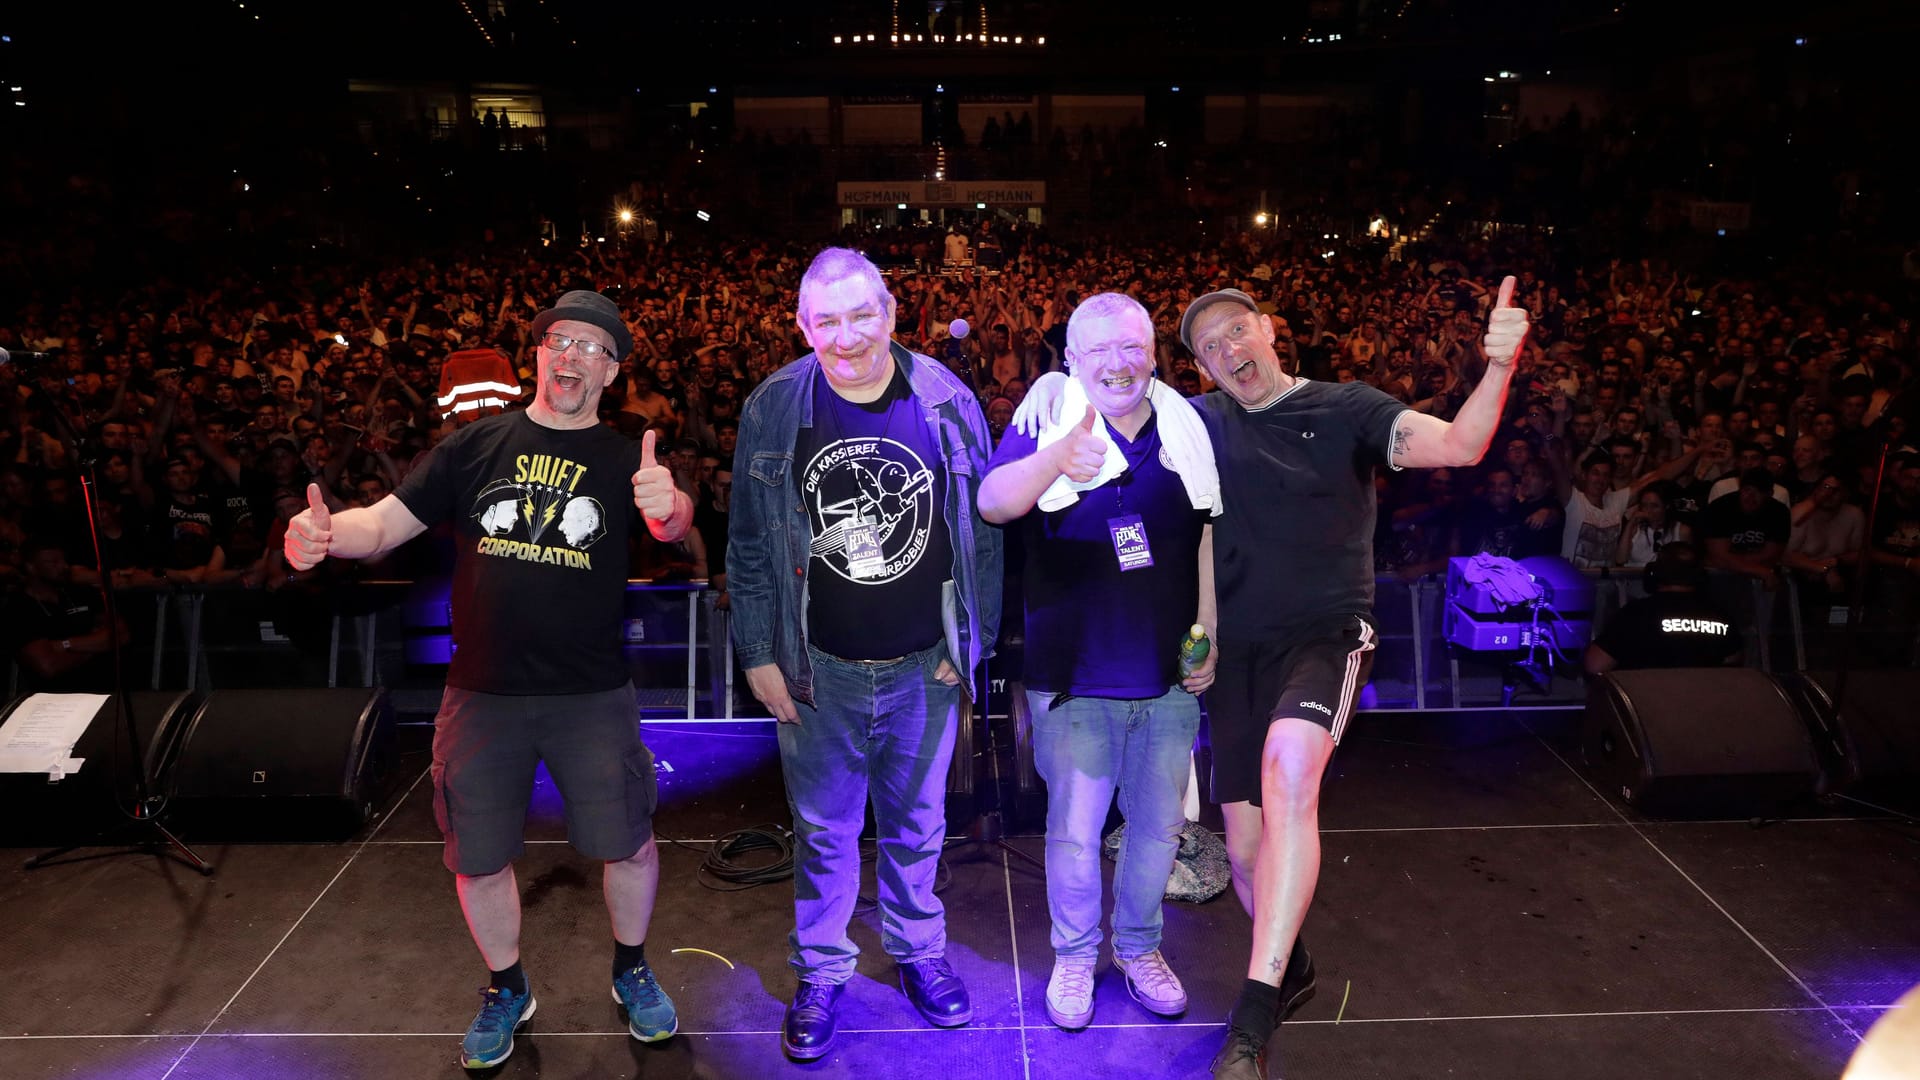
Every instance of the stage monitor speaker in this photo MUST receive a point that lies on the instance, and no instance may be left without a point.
(1873, 739)
(300, 759)
(1727, 740)
(36, 812)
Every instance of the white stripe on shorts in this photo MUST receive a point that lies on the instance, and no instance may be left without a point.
(1350, 686)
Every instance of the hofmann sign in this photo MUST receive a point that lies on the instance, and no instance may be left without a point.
(943, 193)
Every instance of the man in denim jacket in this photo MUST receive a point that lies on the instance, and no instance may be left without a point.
(865, 590)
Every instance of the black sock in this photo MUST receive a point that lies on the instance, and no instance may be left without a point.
(628, 957)
(513, 979)
(1258, 1011)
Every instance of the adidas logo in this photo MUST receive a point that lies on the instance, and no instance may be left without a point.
(1316, 705)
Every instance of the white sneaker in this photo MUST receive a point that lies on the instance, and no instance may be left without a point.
(1070, 992)
(1153, 984)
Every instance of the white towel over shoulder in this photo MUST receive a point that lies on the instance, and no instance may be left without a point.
(1182, 434)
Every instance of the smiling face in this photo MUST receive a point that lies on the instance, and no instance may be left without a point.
(849, 328)
(1235, 346)
(1111, 356)
(568, 394)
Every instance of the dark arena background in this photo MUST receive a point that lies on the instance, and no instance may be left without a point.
(248, 246)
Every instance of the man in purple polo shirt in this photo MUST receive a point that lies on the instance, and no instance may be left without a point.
(1114, 578)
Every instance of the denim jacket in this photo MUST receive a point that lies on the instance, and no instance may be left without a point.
(770, 530)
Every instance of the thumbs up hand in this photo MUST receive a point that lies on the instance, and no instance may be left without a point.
(653, 490)
(1506, 327)
(1080, 453)
(310, 533)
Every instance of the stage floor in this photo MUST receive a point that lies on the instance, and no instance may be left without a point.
(1483, 912)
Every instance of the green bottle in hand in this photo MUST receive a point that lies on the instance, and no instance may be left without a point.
(1193, 649)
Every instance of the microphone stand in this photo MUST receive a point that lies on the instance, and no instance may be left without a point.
(147, 833)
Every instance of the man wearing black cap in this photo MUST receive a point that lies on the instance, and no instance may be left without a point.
(1747, 534)
(538, 674)
(1293, 569)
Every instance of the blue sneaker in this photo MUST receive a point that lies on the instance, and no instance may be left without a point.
(489, 1038)
(650, 1015)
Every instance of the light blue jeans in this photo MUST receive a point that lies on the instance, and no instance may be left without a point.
(1085, 750)
(881, 730)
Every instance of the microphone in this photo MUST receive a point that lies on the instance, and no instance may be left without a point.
(22, 356)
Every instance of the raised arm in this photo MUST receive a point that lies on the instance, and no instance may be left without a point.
(1667, 471)
(216, 453)
(1425, 442)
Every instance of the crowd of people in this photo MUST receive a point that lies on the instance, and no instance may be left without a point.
(489, 415)
(1654, 402)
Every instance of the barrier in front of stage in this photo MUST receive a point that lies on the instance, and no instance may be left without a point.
(398, 633)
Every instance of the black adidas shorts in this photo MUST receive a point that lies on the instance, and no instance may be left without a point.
(1314, 675)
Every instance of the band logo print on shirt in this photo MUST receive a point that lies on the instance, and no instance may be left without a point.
(517, 514)
(872, 507)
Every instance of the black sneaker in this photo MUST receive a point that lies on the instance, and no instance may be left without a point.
(1244, 1057)
(1297, 985)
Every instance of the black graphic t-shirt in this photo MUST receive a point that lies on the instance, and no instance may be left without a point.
(186, 529)
(541, 519)
(1748, 533)
(1899, 529)
(870, 476)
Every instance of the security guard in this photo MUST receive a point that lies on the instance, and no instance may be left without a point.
(1676, 625)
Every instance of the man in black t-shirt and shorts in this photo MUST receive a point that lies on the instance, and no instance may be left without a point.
(537, 499)
(1293, 572)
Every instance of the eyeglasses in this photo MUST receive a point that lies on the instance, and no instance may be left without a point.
(592, 350)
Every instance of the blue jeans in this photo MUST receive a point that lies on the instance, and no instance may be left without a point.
(884, 730)
(1084, 750)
